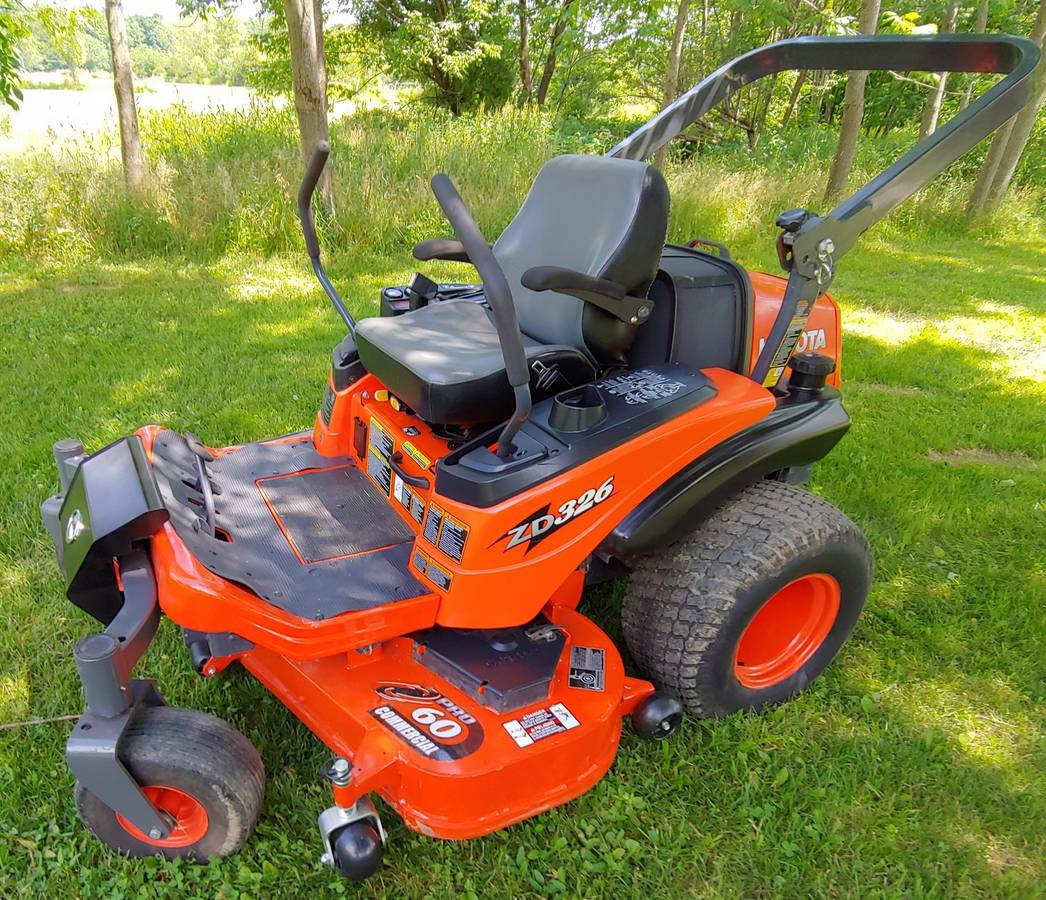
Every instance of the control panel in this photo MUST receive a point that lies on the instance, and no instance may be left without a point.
(422, 291)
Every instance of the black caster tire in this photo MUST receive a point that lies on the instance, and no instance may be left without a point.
(657, 717)
(202, 773)
(358, 850)
(750, 607)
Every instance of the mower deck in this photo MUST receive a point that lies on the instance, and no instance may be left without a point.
(450, 765)
(308, 534)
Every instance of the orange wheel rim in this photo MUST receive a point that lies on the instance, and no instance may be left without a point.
(186, 815)
(787, 630)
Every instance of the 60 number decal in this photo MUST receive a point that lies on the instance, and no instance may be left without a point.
(541, 526)
(433, 721)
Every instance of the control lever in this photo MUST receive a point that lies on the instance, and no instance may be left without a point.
(422, 291)
(320, 153)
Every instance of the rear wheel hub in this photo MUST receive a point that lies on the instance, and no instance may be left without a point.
(787, 630)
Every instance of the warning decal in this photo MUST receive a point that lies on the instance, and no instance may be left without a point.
(540, 724)
(421, 561)
(452, 538)
(417, 508)
(432, 523)
(446, 533)
(408, 499)
(788, 343)
(378, 458)
(587, 665)
(431, 571)
(380, 439)
(415, 454)
(379, 470)
(437, 576)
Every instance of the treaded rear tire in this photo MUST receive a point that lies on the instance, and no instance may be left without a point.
(199, 755)
(687, 606)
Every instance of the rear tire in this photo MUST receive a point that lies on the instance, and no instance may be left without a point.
(749, 608)
(199, 771)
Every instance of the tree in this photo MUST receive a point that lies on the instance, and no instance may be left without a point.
(563, 12)
(309, 74)
(10, 60)
(932, 108)
(65, 29)
(352, 63)
(308, 70)
(675, 53)
(853, 110)
(455, 49)
(979, 28)
(127, 112)
(526, 68)
(1008, 145)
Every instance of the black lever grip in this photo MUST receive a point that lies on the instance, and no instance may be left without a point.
(313, 170)
(499, 295)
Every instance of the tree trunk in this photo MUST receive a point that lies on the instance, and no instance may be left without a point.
(932, 107)
(526, 68)
(1024, 121)
(1010, 140)
(979, 28)
(853, 110)
(675, 54)
(309, 75)
(793, 98)
(127, 112)
(550, 58)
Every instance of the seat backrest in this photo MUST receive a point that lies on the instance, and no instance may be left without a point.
(598, 215)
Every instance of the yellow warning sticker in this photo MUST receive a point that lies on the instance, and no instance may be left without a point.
(415, 454)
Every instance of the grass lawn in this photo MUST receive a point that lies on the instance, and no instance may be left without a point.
(915, 766)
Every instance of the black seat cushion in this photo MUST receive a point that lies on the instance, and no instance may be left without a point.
(444, 361)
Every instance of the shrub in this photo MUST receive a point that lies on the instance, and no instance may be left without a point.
(225, 181)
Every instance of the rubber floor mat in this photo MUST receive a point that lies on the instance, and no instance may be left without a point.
(332, 513)
(349, 551)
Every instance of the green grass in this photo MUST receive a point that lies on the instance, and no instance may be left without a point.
(913, 767)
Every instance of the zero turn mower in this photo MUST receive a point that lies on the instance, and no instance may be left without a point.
(405, 575)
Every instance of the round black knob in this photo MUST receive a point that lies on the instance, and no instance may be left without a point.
(809, 373)
(813, 364)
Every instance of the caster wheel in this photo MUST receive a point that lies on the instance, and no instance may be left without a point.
(657, 717)
(358, 850)
(203, 776)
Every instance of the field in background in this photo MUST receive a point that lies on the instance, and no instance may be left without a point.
(222, 182)
(55, 116)
(913, 767)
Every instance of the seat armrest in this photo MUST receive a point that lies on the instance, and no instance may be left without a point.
(609, 296)
(441, 248)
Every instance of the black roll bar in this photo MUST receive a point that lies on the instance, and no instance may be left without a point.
(819, 241)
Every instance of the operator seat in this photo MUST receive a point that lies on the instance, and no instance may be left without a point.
(596, 215)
